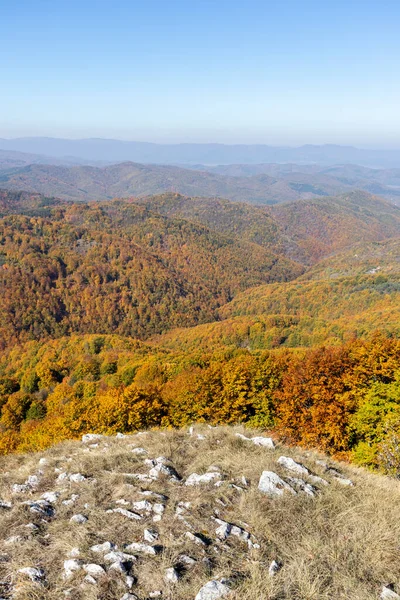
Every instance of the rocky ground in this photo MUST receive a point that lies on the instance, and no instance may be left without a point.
(196, 514)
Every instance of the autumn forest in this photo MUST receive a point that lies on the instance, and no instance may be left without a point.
(166, 310)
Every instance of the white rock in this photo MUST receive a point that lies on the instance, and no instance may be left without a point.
(70, 566)
(171, 575)
(344, 481)
(226, 529)
(119, 567)
(117, 556)
(213, 590)
(139, 451)
(270, 483)
(186, 560)
(291, 465)
(142, 548)
(258, 440)
(194, 537)
(50, 496)
(388, 594)
(90, 579)
(125, 513)
(4, 504)
(43, 461)
(263, 441)
(71, 500)
(94, 570)
(274, 567)
(77, 478)
(78, 519)
(302, 485)
(129, 596)
(158, 508)
(103, 548)
(35, 575)
(161, 468)
(120, 436)
(195, 479)
(32, 481)
(91, 437)
(14, 539)
(155, 594)
(20, 488)
(74, 552)
(150, 535)
(143, 505)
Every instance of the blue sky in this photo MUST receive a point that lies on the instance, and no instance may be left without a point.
(275, 72)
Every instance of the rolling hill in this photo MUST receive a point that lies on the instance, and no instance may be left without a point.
(117, 267)
(208, 154)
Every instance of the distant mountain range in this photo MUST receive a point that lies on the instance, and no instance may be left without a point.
(205, 154)
(257, 184)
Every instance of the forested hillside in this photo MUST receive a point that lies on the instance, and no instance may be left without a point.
(119, 268)
(167, 310)
(256, 184)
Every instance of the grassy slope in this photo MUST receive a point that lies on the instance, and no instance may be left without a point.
(342, 544)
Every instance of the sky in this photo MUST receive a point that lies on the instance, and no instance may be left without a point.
(282, 72)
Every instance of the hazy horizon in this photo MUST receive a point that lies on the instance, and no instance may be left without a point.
(256, 73)
(182, 142)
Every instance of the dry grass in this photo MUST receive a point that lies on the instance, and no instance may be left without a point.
(342, 545)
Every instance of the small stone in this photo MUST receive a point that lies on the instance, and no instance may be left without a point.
(129, 596)
(263, 441)
(150, 535)
(273, 569)
(94, 570)
(116, 556)
(77, 478)
(4, 504)
(125, 513)
(70, 566)
(103, 548)
(196, 538)
(119, 567)
(51, 496)
(195, 479)
(388, 594)
(171, 575)
(307, 488)
(139, 451)
(213, 590)
(142, 548)
(35, 575)
(71, 500)
(78, 519)
(91, 437)
(270, 483)
(186, 560)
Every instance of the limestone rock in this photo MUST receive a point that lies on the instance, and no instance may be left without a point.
(78, 519)
(195, 479)
(270, 483)
(213, 590)
(91, 437)
(94, 570)
(34, 574)
(142, 548)
(171, 575)
(388, 594)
